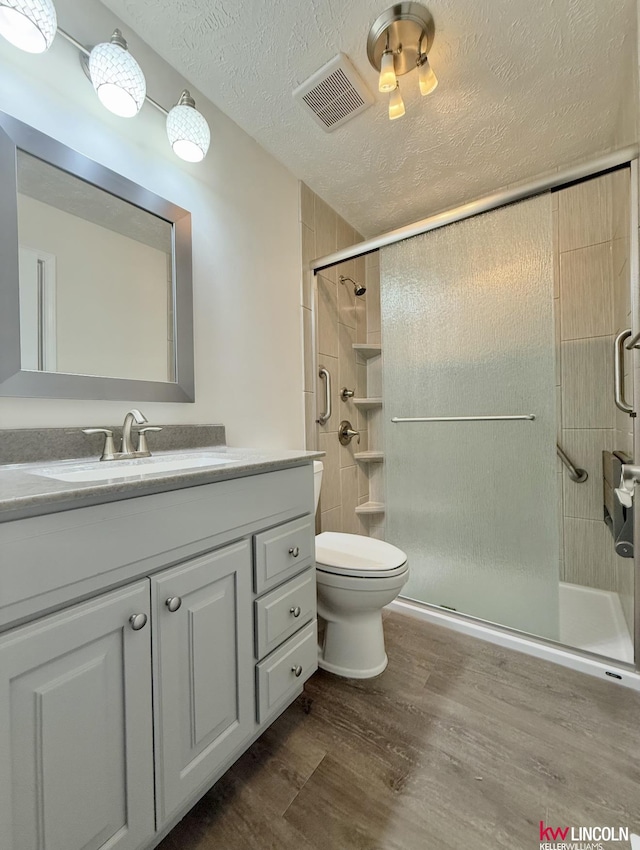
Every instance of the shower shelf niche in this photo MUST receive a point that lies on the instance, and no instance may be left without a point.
(370, 508)
(370, 410)
(367, 403)
(369, 457)
(367, 351)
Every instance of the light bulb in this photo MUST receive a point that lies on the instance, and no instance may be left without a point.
(28, 24)
(427, 79)
(387, 81)
(188, 130)
(117, 77)
(396, 104)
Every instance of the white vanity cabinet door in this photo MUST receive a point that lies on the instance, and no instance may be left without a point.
(76, 763)
(204, 670)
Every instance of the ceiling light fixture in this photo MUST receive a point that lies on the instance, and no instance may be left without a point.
(28, 24)
(426, 77)
(187, 129)
(117, 77)
(387, 81)
(396, 104)
(398, 43)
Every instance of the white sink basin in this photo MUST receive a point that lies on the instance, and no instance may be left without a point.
(114, 469)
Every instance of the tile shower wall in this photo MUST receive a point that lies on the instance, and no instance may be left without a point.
(340, 321)
(591, 229)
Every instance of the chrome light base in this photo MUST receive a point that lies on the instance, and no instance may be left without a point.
(408, 29)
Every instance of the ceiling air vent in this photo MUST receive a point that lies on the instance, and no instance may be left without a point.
(334, 95)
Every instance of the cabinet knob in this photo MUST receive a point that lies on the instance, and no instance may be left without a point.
(138, 621)
(173, 603)
(295, 551)
(297, 671)
(295, 611)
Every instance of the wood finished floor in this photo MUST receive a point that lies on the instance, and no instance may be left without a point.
(458, 744)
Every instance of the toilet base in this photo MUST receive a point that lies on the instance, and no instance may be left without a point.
(349, 673)
(354, 648)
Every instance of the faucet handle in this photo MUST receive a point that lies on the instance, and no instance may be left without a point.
(109, 449)
(143, 446)
(346, 433)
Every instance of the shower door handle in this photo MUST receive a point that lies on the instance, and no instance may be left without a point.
(323, 418)
(618, 377)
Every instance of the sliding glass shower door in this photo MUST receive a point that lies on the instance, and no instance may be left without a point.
(468, 339)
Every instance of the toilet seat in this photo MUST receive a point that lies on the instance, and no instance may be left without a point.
(356, 556)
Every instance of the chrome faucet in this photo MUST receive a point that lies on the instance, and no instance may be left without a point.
(134, 414)
(127, 449)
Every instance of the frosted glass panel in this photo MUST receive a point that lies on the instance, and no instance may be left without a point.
(467, 330)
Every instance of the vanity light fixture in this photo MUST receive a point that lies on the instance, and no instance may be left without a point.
(117, 77)
(398, 43)
(28, 24)
(114, 73)
(187, 129)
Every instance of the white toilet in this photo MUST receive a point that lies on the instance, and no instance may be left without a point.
(356, 577)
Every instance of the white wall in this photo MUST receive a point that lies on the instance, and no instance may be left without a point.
(246, 250)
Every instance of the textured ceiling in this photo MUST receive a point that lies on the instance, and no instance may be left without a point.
(524, 87)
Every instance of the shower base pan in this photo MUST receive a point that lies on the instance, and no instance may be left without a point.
(593, 620)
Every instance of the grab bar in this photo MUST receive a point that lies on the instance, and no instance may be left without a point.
(618, 373)
(528, 416)
(575, 473)
(324, 417)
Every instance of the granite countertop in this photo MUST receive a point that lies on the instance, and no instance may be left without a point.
(25, 493)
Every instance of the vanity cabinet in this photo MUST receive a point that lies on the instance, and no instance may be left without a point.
(203, 662)
(118, 713)
(76, 745)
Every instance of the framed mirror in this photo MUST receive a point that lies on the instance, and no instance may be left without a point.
(95, 279)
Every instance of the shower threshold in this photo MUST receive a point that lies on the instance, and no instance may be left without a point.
(616, 671)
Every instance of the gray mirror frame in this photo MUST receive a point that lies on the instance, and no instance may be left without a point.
(20, 383)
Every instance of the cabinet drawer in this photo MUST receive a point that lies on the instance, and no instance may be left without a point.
(283, 611)
(282, 552)
(275, 676)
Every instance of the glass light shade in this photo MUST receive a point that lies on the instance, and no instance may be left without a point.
(28, 24)
(427, 79)
(188, 133)
(396, 104)
(117, 78)
(387, 81)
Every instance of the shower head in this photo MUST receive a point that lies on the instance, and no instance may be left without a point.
(358, 288)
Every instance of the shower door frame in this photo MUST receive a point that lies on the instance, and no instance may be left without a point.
(627, 156)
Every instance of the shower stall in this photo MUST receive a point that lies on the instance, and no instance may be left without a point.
(508, 333)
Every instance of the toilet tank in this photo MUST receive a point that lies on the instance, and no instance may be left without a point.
(317, 481)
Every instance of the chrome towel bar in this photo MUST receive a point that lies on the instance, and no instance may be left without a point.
(528, 416)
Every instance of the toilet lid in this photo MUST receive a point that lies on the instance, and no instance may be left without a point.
(356, 554)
